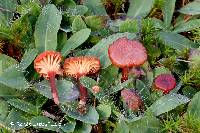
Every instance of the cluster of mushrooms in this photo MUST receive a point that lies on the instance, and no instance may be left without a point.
(123, 53)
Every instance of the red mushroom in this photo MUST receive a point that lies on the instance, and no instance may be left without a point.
(165, 83)
(125, 54)
(77, 67)
(132, 99)
(47, 64)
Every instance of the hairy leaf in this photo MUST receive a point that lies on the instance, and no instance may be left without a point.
(28, 58)
(139, 8)
(23, 105)
(67, 91)
(91, 117)
(167, 103)
(75, 40)
(168, 10)
(147, 124)
(176, 41)
(96, 6)
(78, 24)
(194, 107)
(16, 120)
(46, 28)
(188, 26)
(43, 122)
(192, 8)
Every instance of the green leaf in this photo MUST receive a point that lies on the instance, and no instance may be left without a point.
(100, 50)
(194, 106)
(13, 77)
(29, 8)
(129, 26)
(104, 111)
(28, 58)
(23, 105)
(44, 123)
(28, 1)
(108, 76)
(143, 90)
(91, 117)
(96, 6)
(176, 41)
(139, 8)
(89, 83)
(121, 127)
(83, 128)
(22, 31)
(5, 33)
(96, 22)
(191, 9)
(5, 62)
(189, 91)
(3, 20)
(168, 10)
(167, 103)
(78, 24)
(46, 28)
(6, 91)
(160, 70)
(4, 110)
(77, 10)
(69, 127)
(157, 23)
(8, 7)
(187, 26)
(16, 120)
(75, 40)
(40, 101)
(66, 90)
(147, 124)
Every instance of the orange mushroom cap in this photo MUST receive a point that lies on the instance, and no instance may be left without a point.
(127, 53)
(48, 61)
(79, 66)
(165, 82)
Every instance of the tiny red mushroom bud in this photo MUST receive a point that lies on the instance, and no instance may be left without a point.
(95, 89)
(132, 99)
(47, 64)
(125, 53)
(165, 83)
(77, 67)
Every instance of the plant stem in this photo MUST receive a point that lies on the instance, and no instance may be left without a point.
(124, 74)
(53, 87)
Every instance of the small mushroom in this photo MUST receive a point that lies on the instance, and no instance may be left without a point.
(165, 83)
(47, 64)
(132, 99)
(77, 67)
(125, 54)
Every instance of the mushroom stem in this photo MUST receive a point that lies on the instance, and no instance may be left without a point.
(53, 86)
(124, 74)
(83, 93)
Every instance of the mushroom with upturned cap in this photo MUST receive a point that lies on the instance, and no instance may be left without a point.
(125, 53)
(165, 83)
(77, 67)
(47, 64)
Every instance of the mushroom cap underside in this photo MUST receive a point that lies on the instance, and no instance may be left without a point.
(80, 66)
(48, 61)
